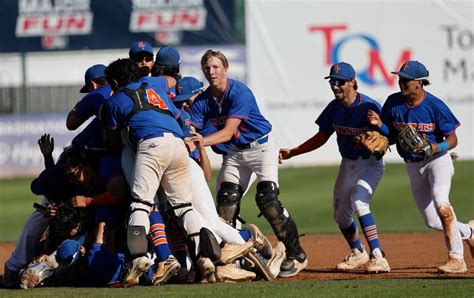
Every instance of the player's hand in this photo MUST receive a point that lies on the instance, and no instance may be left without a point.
(79, 201)
(197, 139)
(374, 119)
(51, 210)
(285, 153)
(46, 144)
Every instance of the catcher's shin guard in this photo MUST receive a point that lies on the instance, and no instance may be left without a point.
(228, 202)
(210, 248)
(282, 224)
(137, 241)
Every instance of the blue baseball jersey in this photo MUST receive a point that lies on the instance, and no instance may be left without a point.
(348, 122)
(90, 104)
(184, 120)
(431, 118)
(145, 124)
(236, 102)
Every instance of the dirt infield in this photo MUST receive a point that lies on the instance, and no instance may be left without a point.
(409, 254)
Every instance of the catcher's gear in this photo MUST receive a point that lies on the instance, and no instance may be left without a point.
(373, 142)
(412, 142)
(228, 202)
(137, 242)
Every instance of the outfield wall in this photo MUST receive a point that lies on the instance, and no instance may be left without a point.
(291, 45)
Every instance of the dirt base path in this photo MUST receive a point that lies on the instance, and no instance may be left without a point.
(409, 254)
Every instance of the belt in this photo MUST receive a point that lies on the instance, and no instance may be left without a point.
(260, 141)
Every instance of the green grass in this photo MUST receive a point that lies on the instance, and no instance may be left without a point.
(305, 192)
(438, 287)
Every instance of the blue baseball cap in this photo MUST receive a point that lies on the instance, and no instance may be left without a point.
(413, 70)
(168, 56)
(68, 252)
(342, 70)
(140, 46)
(187, 87)
(92, 73)
(53, 183)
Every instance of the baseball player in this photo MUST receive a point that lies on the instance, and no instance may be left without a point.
(146, 111)
(141, 52)
(430, 177)
(98, 91)
(359, 172)
(231, 107)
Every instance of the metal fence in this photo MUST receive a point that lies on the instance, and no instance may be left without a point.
(44, 99)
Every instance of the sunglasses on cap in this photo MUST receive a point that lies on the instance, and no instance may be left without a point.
(337, 82)
(140, 58)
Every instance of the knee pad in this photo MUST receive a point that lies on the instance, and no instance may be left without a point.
(282, 224)
(228, 202)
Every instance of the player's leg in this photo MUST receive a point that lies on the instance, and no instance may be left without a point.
(263, 160)
(342, 213)
(26, 247)
(370, 172)
(204, 204)
(439, 175)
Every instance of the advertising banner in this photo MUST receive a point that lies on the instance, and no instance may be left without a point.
(43, 25)
(291, 46)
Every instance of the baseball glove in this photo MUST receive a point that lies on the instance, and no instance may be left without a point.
(412, 142)
(373, 141)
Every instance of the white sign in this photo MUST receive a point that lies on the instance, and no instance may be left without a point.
(292, 44)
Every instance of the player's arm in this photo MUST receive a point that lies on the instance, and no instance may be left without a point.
(449, 143)
(204, 162)
(73, 121)
(311, 144)
(223, 135)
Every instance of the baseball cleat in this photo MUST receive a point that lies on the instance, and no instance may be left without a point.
(355, 259)
(256, 260)
(230, 252)
(470, 241)
(278, 257)
(35, 274)
(165, 270)
(136, 268)
(232, 273)
(297, 268)
(453, 265)
(207, 269)
(260, 241)
(378, 264)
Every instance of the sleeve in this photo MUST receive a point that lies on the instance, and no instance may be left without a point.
(446, 121)
(242, 103)
(197, 114)
(387, 119)
(113, 116)
(88, 106)
(109, 167)
(325, 121)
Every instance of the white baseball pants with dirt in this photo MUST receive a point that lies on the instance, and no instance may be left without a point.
(430, 185)
(354, 187)
(162, 160)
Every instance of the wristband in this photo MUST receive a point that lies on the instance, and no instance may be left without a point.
(384, 129)
(443, 146)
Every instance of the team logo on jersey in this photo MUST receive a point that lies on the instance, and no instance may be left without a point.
(349, 131)
(420, 127)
